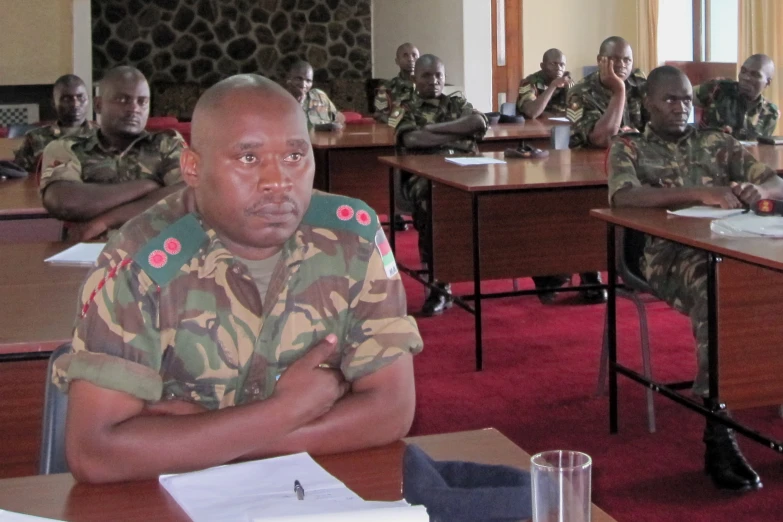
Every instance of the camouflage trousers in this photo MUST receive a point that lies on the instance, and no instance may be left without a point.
(683, 285)
(417, 191)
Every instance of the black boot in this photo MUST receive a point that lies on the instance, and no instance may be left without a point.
(723, 460)
(399, 223)
(592, 295)
(549, 283)
(437, 302)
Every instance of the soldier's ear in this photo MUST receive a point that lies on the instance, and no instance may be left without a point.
(98, 101)
(188, 165)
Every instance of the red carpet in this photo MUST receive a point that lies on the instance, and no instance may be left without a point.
(537, 387)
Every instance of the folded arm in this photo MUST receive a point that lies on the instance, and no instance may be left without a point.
(76, 201)
(609, 124)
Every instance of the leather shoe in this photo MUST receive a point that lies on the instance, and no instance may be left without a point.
(399, 223)
(437, 302)
(545, 283)
(724, 462)
(592, 295)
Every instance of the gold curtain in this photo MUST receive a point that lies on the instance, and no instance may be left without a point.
(646, 56)
(760, 24)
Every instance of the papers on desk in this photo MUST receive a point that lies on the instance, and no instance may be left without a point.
(475, 160)
(749, 225)
(749, 143)
(560, 118)
(79, 254)
(706, 212)
(8, 516)
(263, 491)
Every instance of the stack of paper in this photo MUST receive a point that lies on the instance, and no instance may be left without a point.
(474, 160)
(8, 516)
(263, 491)
(706, 212)
(749, 225)
(78, 254)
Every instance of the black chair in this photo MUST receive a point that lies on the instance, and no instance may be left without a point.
(630, 248)
(52, 457)
(508, 109)
(19, 130)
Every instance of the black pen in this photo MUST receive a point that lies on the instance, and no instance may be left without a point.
(299, 490)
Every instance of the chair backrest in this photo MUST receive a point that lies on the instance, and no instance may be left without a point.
(19, 130)
(52, 455)
(508, 109)
(630, 249)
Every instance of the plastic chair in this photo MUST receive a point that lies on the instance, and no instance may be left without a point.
(352, 117)
(630, 247)
(157, 123)
(19, 130)
(52, 455)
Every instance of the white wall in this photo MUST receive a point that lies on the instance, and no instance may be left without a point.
(82, 43)
(576, 27)
(457, 31)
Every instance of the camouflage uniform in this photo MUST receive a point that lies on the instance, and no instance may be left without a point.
(413, 114)
(168, 312)
(35, 141)
(85, 159)
(589, 99)
(724, 106)
(318, 108)
(533, 86)
(678, 274)
(391, 93)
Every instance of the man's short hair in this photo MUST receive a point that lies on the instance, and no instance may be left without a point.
(298, 64)
(610, 42)
(662, 75)
(68, 80)
(427, 59)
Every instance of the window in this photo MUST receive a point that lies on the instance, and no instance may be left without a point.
(717, 27)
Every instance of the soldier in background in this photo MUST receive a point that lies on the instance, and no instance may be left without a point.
(432, 123)
(70, 102)
(242, 317)
(547, 89)
(670, 164)
(399, 88)
(608, 101)
(99, 180)
(321, 112)
(739, 107)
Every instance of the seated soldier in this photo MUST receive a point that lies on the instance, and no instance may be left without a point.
(242, 317)
(432, 123)
(739, 108)
(670, 164)
(547, 89)
(600, 106)
(70, 102)
(100, 180)
(393, 91)
(321, 112)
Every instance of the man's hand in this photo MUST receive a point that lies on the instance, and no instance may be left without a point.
(559, 83)
(748, 193)
(723, 197)
(608, 77)
(310, 389)
(87, 230)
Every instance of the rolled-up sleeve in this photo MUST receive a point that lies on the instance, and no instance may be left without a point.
(622, 168)
(379, 328)
(116, 342)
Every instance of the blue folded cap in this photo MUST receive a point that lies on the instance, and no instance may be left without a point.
(455, 491)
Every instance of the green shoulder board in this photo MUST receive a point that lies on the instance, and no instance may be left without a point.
(342, 213)
(164, 255)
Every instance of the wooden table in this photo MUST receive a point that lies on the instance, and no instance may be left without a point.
(38, 313)
(770, 154)
(374, 474)
(346, 161)
(8, 146)
(745, 282)
(518, 219)
(19, 199)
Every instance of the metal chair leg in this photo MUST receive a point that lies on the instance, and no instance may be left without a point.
(515, 283)
(603, 365)
(644, 335)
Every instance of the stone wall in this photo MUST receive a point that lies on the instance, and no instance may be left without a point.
(203, 41)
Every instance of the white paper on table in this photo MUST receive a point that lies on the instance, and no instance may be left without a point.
(478, 160)
(749, 225)
(78, 254)
(8, 516)
(383, 514)
(706, 212)
(264, 489)
(748, 143)
(560, 118)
